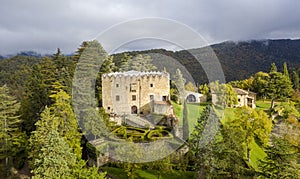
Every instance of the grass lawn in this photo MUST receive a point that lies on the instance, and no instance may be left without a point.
(263, 105)
(256, 154)
(194, 112)
(149, 174)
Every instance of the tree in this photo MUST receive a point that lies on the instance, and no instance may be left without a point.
(138, 63)
(203, 89)
(281, 161)
(295, 80)
(185, 120)
(190, 87)
(107, 66)
(202, 152)
(279, 87)
(55, 160)
(225, 95)
(66, 121)
(51, 155)
(273, 68)
(179, 85)
(229, 155)
(12, 139)
(285, 70)
(254, 125)
(37, 92)
(260, 84)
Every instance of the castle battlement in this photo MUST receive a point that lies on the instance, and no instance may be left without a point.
(133, 73)
(134, 92)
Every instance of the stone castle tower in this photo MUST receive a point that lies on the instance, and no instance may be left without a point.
(135, 92)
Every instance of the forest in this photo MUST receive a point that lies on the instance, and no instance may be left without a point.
(42, 137)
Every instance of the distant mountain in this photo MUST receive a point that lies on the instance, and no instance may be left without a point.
(29, 54)
(239, 60)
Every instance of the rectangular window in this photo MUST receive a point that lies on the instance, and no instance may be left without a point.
(117, 98)
(133, 97)
(151, 97)
(164, 98)
(117, 85)
(151, 85)
(133, 87)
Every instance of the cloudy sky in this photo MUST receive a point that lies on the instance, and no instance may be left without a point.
(45, 25)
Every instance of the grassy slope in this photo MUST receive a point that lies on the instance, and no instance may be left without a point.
(149, 174)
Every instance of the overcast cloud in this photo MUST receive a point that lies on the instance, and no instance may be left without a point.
(43, 26)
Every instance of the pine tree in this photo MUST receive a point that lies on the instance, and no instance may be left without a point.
(200, 146)
(138, 63)
(273, 68)
(179, 84)
(285, 70)
(295, 80)
(186, 131)
(282, 160)
(66, 120)
(50, 153)
(12, 139)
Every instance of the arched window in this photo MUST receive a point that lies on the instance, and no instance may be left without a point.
(133, 110)
(191, 98)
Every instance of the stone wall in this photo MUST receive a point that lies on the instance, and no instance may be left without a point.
(122, 92)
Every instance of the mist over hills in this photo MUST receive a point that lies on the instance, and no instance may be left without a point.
(239, 60)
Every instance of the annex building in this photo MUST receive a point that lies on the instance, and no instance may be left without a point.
(135, 92)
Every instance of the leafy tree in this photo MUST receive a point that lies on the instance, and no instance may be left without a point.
(260, 84)
(254, 126)
(190, 87)
(130, 153)
(203, 89)
(279, 87)
(225, 94)
(12, 139)
(243, 84)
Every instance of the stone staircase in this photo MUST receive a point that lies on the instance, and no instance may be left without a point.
(136, 121)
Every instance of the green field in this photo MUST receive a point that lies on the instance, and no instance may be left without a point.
(149, 174)
(194, 112)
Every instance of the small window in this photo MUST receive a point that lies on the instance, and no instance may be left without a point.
(133, 97)
(117, 85)
(151, 97)
(133, 87)
(117, 98)
(164, 98)
(151, 85)
(108, 108)
(239, 100)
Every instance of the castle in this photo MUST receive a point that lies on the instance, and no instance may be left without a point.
(135, 92)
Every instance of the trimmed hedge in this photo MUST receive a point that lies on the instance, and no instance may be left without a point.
(140, 135)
